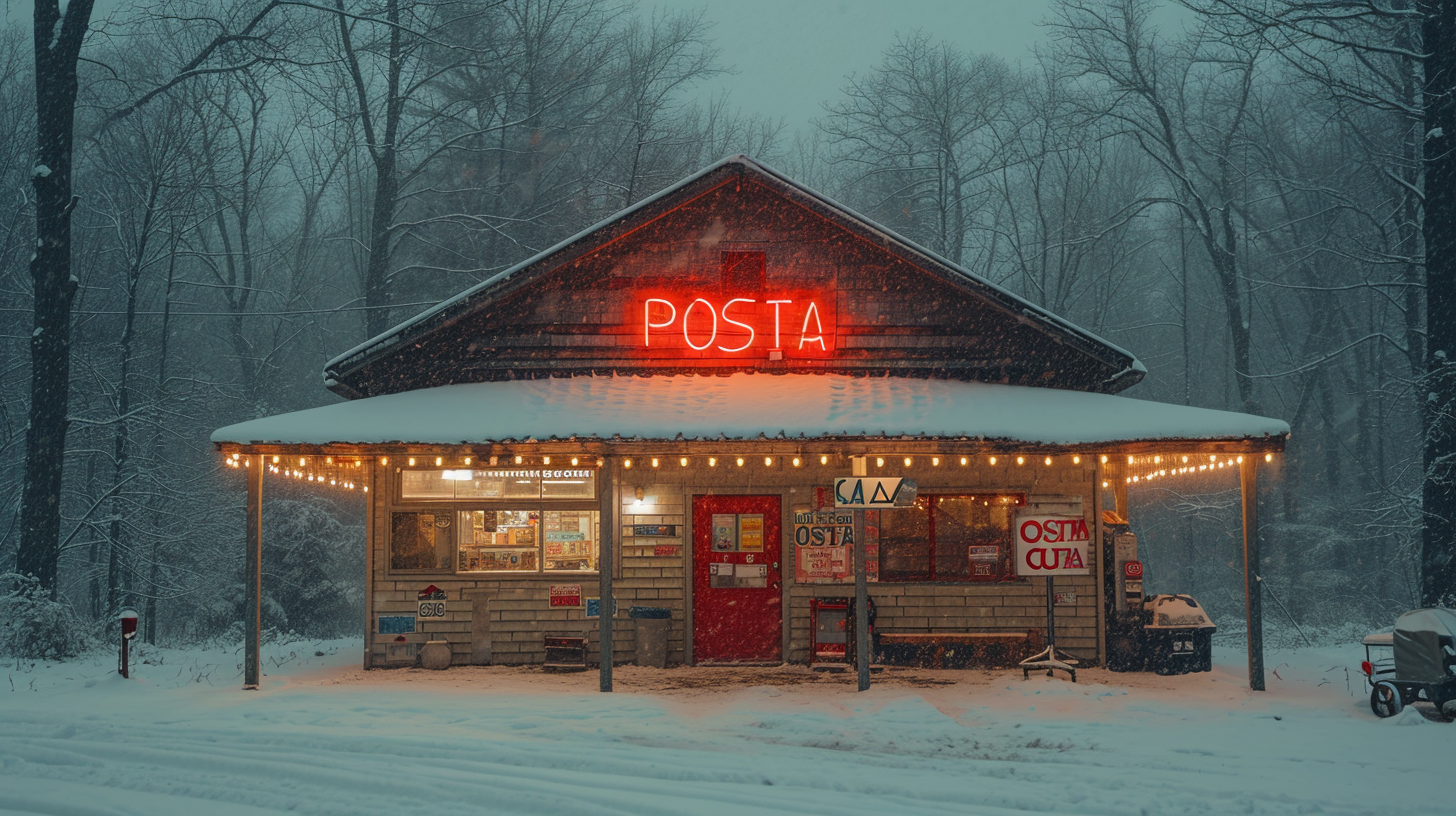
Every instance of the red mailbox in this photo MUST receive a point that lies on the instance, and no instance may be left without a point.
(128, 619)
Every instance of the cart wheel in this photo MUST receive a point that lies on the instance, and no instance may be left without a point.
(1385, 700)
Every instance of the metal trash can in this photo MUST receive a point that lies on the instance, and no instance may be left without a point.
(652, 624)
(1179, 636)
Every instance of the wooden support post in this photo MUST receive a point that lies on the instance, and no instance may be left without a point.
(372, 522)
(861, 605)
(253, 576)
(1253, 590)
(607, 528)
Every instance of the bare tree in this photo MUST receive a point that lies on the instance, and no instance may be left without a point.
(1186, 108)
(58, 39)
(920, 134)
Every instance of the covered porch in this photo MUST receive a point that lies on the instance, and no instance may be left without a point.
(760, 431)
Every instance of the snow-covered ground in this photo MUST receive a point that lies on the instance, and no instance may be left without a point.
(323, 737)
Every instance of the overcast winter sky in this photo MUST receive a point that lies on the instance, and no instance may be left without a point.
(793, 55)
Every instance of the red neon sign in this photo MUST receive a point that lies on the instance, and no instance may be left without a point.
(738, 325)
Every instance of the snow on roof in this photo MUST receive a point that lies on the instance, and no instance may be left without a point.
(745, 406)
(461, 300)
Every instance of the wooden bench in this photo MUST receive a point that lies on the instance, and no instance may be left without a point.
(957, 650)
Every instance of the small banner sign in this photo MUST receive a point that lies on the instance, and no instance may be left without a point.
(432, 602)
(1133, 569)
(867, 493)
(566, 595)
(1052, 545)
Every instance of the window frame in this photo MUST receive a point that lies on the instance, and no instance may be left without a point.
(1006, 572)
(455, 506)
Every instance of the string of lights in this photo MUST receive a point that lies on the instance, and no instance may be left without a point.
(345, 472)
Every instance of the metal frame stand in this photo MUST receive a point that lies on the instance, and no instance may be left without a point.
(1050, 658)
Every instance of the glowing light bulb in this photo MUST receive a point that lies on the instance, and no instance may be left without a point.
(518, 458)
(412, 461)
(712, 461)
(965, 460)
(1076, 460)
(797, 461)
(993, 460)
(1268, 457)
(1021, 460)
(768, 461)
(654, 461)
(1048, 462)
(907, 461)
(545, 460)
(626, 463)
(879, 461)
(439, 460)
(740, 461)
(683, 461)
(574, 461)
(935, 461)
(824, 460)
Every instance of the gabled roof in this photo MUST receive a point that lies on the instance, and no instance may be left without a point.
(1123, 368)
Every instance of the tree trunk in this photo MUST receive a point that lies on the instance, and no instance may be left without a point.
(1438, 567)
(57, 45)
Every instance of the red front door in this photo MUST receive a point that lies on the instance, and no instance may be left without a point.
(737, 590)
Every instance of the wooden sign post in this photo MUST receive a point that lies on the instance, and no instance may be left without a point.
(858, 494)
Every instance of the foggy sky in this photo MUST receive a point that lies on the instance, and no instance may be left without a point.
(793, 55)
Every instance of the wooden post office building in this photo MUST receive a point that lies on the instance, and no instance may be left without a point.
(659, 405)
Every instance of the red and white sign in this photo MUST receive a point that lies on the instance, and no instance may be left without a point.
(794, 324)
(566, 595)
(1052, 545)
(1133, 569)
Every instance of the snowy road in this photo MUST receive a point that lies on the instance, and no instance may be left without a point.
(325, 738)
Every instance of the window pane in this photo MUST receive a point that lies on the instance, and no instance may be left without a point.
(420, 541)
(425, 484)
(489, 484)
(973, 537)
(570, 539)
(499, 540)
(905, 543)
(482, 484)
(568, 484)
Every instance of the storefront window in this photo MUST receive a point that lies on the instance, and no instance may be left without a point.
(516, 520)
(527, 540)
(949, 538)
(522, 483)
(420, 541)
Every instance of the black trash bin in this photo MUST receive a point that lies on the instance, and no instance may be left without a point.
(1126, 641)
(652, 624)
(1178, 638)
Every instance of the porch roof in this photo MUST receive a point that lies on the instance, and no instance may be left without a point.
(749, 406)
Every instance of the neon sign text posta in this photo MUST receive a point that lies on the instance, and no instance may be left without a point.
(735, 325)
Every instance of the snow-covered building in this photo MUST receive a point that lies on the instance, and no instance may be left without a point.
(658, 407)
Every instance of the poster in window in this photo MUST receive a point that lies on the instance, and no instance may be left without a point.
(822, 543)
(750, 533)
(725, 532)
